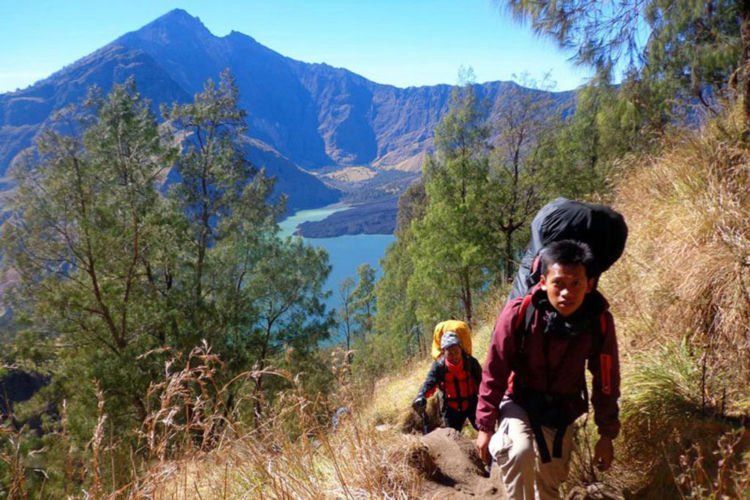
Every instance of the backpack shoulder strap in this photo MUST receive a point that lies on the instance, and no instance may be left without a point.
(605, 360)
(523, 319)
(522, 313)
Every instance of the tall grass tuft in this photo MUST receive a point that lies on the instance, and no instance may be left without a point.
(352, 461)
(684, 274)
(681, 298)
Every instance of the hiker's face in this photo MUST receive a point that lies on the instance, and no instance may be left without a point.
(566, 287)
(453, 353)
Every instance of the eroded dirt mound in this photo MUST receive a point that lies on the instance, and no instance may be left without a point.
(458, 472)
(409, 422)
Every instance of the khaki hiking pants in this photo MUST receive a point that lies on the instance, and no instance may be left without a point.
(513, 449)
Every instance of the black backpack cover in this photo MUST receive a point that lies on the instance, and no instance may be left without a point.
(601, 227)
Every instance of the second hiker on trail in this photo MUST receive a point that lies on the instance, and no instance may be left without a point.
(457, 374)
(534, 382)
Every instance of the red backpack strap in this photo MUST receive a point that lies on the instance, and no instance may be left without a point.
(521, 316)
(520, 321)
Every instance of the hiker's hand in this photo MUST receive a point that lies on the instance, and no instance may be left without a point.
(483, 446)
(604, 453)
(419, 403)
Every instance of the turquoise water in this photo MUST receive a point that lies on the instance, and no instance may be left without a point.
(289, 225)
(345, 253)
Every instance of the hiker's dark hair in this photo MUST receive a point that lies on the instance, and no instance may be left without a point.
(568, 252)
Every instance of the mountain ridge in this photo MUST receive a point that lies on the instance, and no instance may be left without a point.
(312, 115)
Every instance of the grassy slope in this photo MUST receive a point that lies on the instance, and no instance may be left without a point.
(681, 299)
(394, 393)
(357, 460)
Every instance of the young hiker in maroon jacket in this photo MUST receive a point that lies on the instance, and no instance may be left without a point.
(533, 382)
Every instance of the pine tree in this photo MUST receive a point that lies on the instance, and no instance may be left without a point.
(84, 221)
(516, 188)
(364, 301)
(697, 48)
(453, 248)
(118, 275)
(346, 313)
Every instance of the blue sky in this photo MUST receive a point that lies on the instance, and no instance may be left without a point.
(399, 42)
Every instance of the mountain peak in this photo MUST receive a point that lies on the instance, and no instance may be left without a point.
(178, 16)
(175, 24)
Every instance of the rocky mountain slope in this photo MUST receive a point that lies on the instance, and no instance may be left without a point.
(300, 115)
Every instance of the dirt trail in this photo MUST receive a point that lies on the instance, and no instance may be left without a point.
(459, 472)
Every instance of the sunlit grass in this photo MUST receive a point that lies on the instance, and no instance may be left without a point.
(392, 397)
(681, 299)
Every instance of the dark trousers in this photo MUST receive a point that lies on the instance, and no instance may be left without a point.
(455, 418)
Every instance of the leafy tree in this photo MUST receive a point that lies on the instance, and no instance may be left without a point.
(244, 289)
(477, 196)
(395, 316)
(579, 156)
(516, 190)
(212, 172)
(358, 306)
(84, 219)
(346, 320)
(411, 206)
(286, 288)
(396, 310)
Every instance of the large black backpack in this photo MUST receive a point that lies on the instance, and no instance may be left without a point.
(602, 228)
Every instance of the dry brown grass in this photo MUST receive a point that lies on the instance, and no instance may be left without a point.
(268, 461)
(13, 457)
(361, 459)
(192, 445)
(685, 270)
(681, 298)
(356, 461)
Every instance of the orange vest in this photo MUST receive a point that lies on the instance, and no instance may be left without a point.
(458, 387)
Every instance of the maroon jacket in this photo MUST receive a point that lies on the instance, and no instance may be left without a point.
(562, 370)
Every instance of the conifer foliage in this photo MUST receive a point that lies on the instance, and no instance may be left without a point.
(135, 243)
(461, 229)
(685, 48)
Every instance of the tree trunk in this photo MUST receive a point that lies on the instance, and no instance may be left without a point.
(509, 256)
(260, 366)
(466, 295)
